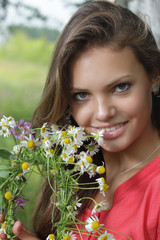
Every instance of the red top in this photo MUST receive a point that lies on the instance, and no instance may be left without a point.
(136, 207)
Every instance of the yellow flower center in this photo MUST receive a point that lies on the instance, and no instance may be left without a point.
(101, 170)
(82, 163)
(75, 135)
(45, 139)
(4, 131)
(71, 160)
(19, 175)
(25, 166)
(89, 159)
(8, 196)
(43, 129)
(4, 226)
(75, 147)
(51, 236)
(13, 163)
(30, 144)
(104, 238)
(51, 150)
(67, 237)
(103, 180)
(94, 167)
(95, 225)
(53, 171)
(64, 155)
(63, 133)
(67, 140)
(105, 187)
(3, 124)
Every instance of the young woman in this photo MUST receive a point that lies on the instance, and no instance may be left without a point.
(106, 68)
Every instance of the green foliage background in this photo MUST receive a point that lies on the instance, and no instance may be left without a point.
(24, 63)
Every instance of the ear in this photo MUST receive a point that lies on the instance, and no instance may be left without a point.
(156, 85)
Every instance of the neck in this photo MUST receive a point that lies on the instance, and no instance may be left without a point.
(141, 150)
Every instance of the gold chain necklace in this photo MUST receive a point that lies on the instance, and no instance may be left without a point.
(129, 169)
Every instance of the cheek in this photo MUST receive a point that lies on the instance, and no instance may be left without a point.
(81, 115)
(139, 105)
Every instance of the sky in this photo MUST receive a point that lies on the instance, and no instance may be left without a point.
(58, 11)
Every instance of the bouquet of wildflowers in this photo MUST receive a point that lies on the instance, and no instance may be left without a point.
(54, 149)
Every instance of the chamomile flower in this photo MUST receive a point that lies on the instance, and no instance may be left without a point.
(16, 149)
(66, 141)
(102, 185)
(8, 196)
(99, 136)
(45, 131)
(46, 143)
(106, 236)
(92, 148)
(49, 152)
(101, 169)
(3, 228)
(7, 122)
(5, 132)
(50, 237)
(92, 224)
(78, 135)
(77, 205)
(19, 176)
(99, 207)
(25, 167)
(29, 142)
(69, 236)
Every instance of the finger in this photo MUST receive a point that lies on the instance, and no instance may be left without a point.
(1, 218)
(3, 236)
(22, 232)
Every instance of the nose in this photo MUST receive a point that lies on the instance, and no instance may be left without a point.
(105, 109)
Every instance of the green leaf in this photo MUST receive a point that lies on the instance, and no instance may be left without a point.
(4, 171)
(1, 198)
(5, 154)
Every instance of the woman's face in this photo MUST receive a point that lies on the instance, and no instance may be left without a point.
(111, 90)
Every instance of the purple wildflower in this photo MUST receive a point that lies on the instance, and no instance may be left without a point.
(20, 201)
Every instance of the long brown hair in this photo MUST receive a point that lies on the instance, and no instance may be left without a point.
(97, 23)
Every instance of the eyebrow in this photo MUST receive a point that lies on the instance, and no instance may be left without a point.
(114, 82)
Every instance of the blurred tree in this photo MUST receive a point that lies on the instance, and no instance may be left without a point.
(35, 32)
(31, 12)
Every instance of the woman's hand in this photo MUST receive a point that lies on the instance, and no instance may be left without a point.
(20, 231)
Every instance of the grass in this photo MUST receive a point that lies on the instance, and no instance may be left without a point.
(21, 85)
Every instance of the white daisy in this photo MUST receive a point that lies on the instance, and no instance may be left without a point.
(50, 237)
(78, 135)
(99, 207)
(92, 224)
(69, 236)
(3, 228)
(49, 152)
(99, 136)
(30, 142)
(7, 122)
(102, 185)
(45, 131)
(16, 149)
(5, 132)
(106, 236)
(46, 144)
(93, 148)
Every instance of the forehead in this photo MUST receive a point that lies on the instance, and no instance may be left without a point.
(103, 63)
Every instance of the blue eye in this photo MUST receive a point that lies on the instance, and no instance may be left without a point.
(122, 87)
(80, 96)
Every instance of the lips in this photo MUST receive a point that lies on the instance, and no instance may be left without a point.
(113, 131)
